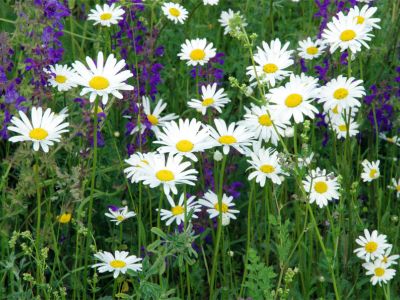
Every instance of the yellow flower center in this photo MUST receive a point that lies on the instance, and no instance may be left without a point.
(360, 19)
(371, 247)
(340, 94)
(264, 120)
(342, 127)
(117, 264)
(312, 50)
(174, 12)
(293, 100)
(184, 146)
(347, 35)
(224, 208)
(385, 259)
(320, 187)
(207, 102)
(38, 134)
(267, 169)
(99, 83)
(165, 175)
(373, 173)
(335, 110)
(152, 119)
(105, 16)
(390, 140)
(379, 272)
(398, 188)
(177, 210)
(120, 218)
(197, 54)
(60, 78)
(270, 68)
(65, 218)
(227, 139)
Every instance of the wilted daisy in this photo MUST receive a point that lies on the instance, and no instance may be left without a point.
(102, 79)
(234, 135)
(345, 33)
(271, 62)
(211, 97)
(389, 259)
(342, 93)
(229, 16)
(370, 170)
(210, 201)
(177, 211)
(394, 139)
(62, 77)
(118, 263)
(107, 15)
(210, 2)
(185, 138)
(396, 186)
(265, 164)
(294, 99)
(380, 272)
(260, 120)
(321, 187)
(168, 172)
(372, 245)
(135, 161)
(309, 49)
(364, 16)
(342, 126)
(175, 12)
(43, 131)
(120, 215)
(197, 52)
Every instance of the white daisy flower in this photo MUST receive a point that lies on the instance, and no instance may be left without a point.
(167, 172)
(210, 2)
(396, 186)
(370, 170)
(372, 245)
(345, 33)
(154, 117)
(226, 18)
(380, 272)
(294, 99)
(265, 164)
(120, 215)
(62, 77)
(43, 131)
(175, 12)
(118, 263)
(184, 138)
(135, 161)
(234, 135)
(389, 259)
(211, 98)
(177, 211)
(321, 187)
(210, 201)
(394, 139)
(102, 79)
(336, 114)
(197, 52)
(107, 15)
(260, 121)
(271, 62)
(309, 49)
(341, 126)
(364, 16)
(342, 92)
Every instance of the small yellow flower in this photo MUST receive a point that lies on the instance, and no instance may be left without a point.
(64, 218)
